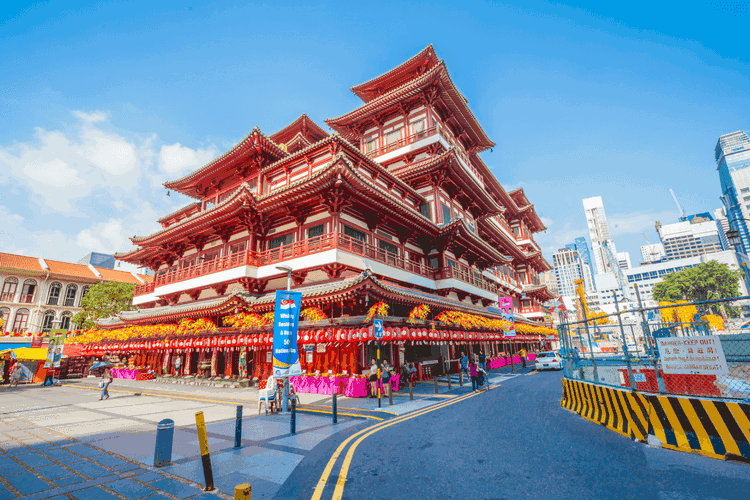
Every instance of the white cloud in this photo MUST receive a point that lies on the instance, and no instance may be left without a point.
(178, 158)
(93, 117)
(637, 222)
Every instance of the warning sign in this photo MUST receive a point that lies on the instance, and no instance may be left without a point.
(695, 355)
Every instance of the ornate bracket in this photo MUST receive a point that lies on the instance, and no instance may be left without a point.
(334, 270)
(299, 277)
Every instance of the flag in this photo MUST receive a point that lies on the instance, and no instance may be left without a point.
(558, 306)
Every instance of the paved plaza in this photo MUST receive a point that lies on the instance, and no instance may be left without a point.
(63, 442)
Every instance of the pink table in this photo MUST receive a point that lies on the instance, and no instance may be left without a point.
(125, 373)
(500, 362)
(346, 386)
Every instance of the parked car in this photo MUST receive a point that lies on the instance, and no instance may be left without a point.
(549, 360)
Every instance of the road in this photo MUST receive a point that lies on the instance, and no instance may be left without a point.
(513, 442)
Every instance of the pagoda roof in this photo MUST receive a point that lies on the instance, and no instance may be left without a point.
(317, 293)
(436, 77)
(301, 129)
(255, 142)
(540, 290)
(459, 230)
(449, 162)
(180, 211)
(526, 208)
(339, 170)
(417, 65)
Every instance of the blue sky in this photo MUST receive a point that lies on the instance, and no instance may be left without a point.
(101, 103)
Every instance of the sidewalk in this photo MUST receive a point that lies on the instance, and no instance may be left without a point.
(117, 463)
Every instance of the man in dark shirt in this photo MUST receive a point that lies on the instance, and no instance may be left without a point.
(483, 360)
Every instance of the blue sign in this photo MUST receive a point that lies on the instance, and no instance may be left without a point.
(377, 326)
(285, 324)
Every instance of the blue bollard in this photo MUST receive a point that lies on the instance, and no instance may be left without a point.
(293, 421)
(335, 416)
(238, 428)
(164, 438)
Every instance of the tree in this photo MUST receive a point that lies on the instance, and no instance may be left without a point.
(103, 300)
(709, 281)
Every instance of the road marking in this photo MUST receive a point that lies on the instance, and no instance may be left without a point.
(374, 428)
(532, 373)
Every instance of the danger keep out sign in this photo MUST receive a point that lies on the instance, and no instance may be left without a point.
(695, 355)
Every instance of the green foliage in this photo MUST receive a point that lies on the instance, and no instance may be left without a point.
(709, 281)
(103, 300)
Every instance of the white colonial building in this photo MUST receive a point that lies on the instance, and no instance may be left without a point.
(38, 294)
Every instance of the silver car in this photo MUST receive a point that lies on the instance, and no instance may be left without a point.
(549, 360)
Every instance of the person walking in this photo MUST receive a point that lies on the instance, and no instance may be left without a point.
(463, 362)
(177, 366)
(522, 353)
(483, 360)
(474, 374)
(104, 384)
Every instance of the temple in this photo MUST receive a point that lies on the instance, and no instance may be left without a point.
(394, 206)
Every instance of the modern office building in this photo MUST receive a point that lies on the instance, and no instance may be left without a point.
(97, 259)
(569, 267)
(689, 239)
(732, 154)
(596, 220)
(648, 276)
(653, 252)
(722, 224)
(623, 258)
(582, 246)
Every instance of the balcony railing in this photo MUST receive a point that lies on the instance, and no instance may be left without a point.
(402, 142)
(311, 246)
(534, 309)
(463, 273)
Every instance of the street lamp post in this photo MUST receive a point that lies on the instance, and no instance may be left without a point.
(285, 400)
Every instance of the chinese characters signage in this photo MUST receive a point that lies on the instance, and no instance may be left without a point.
(285, 323)
(701, 355)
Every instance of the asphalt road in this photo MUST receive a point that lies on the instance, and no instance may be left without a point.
(513, 442)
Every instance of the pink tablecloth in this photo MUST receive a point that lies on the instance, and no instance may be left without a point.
(124, 373)
(500, 362)
(351, 387)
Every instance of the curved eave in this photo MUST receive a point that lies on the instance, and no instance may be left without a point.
(354, 152)
(367, 91)
(180, 211)
(254, 141)
(450, 159)
(286, 134)
(241, 197)
(341, 169)
(510, 243)
(535, 223)
(474, 242)
(211, 307)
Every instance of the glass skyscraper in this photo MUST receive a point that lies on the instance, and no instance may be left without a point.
(732, 156)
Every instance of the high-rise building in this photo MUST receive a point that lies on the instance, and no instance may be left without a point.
(97, 259)
(548, 278)
(689, 239)
(569, 267)
(623, 258)
(583, 250)
(653, 252)
(722, 223)
(732, 154)
(596, 220)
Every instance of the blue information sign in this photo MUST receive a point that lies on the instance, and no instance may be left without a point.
(377, 326)
(285, 323)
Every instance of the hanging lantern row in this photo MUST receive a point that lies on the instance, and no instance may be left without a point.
(340, 335)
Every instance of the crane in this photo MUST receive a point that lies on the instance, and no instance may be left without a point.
(644, 235)
(682, 211)
(582, 297)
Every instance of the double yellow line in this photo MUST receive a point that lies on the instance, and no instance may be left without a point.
(338, 493)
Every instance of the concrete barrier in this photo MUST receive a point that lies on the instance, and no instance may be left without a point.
(714, 428)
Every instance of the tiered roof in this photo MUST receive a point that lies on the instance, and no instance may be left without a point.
(299, 134)
(416, 66)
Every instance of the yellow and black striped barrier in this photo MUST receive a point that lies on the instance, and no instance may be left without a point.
(208, 472)
(718, 429)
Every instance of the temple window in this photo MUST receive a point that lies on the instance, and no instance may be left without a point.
(446, 214)
(392, 137)
(286, 239)
(434, 262)
(451, 262)
(391, 250)
(5, 316)
(66, 317)
(237, 247)
(355, 233)
(54, 294)
(371, 144)
(425, 210)
(417, 126)
(315, 231)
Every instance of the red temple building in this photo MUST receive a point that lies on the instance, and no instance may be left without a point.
(394, 206)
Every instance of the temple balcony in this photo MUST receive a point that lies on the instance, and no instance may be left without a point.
(534, 311)
(330, 248)
(419, 140)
